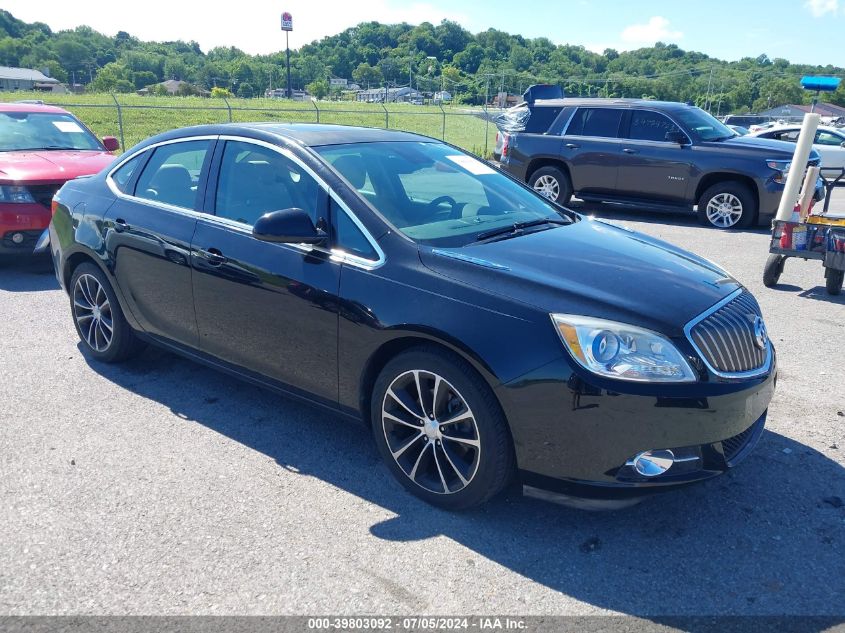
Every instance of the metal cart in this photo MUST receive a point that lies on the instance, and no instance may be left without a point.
(821, 237)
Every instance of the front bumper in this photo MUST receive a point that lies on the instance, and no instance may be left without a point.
(20, 226)
(770, 196)
(578, 439)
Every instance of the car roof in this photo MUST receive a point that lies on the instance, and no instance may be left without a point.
(305, 134)
(615, 103)
(797, 126)
(31, 107)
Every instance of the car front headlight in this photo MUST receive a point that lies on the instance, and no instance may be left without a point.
(621, 351)
(781, 166)
(15, 194)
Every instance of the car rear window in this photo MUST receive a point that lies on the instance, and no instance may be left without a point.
(603, 122)
(541, 119)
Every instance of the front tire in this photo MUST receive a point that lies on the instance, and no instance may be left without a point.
(100, 324)
(552, 183)
(727, 205)
(440, 429)
(773, 270)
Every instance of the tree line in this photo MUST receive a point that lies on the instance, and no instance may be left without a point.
(474, 67)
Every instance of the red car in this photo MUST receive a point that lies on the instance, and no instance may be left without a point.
(41, 148)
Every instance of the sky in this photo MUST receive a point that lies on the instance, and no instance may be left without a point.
(803, 31)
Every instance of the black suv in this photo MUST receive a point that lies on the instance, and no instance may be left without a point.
(647, 153)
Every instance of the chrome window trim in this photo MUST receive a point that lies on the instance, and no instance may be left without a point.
(763, 369)
(336, 255)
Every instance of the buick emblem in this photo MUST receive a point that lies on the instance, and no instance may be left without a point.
(760, 334)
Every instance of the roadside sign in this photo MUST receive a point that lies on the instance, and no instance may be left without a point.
(287, 21)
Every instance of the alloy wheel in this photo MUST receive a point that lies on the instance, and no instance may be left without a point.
(431, 432)
(724, 210)
(547, 186)
(92, 311)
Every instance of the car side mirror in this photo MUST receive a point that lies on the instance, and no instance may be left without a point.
(678, 137)
(842, 144)
(111, 143)
(288, 226)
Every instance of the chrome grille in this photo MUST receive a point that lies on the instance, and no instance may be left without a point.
(726, 337)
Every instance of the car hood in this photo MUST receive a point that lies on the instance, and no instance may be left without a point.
(772, 147)
(51, 166)
(595, 269)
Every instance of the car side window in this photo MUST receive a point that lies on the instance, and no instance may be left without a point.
(828, 138)
(122, 178)
(172, 173)
(602, 122)
(255, 180)
(789, 135)
(650, 126)
(346, 235)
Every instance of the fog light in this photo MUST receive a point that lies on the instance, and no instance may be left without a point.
(653, 463)
(17, 238)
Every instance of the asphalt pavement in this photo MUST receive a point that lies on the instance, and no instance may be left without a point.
(162, 487)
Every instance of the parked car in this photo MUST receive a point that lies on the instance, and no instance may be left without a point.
(479, 330)
(651, 154)
(829, 142)
(741, 131)
(41, 148)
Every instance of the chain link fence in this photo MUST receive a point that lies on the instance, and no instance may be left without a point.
(135, 118)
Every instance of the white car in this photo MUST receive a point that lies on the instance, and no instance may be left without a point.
(829, 141)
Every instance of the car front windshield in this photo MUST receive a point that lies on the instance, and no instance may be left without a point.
(703, 125)
(438, 195)
(43, 131)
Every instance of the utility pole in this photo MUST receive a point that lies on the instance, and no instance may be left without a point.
(721, 91)
(709, 83)
(410, 74)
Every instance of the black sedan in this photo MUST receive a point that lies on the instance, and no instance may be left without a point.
(482, 332)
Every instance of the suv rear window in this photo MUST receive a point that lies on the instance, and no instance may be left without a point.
(602, 122)
(541, 119)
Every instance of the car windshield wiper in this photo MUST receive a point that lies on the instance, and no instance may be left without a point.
(518, 228)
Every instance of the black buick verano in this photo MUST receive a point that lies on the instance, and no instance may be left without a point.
(482, 332)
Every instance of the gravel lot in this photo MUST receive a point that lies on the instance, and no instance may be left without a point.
(162, 487)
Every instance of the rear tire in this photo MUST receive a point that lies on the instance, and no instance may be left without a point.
(833, 280)
(552, 183)
(455, 465)
(773, 270)
(103, 330)
(727, 205)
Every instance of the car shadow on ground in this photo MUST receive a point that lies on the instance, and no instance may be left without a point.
(767, 538)
(27, 274)
(626, 213)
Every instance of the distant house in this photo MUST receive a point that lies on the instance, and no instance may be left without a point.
(279, 93)
(27, 79)
(391, 95)
(443, 96)
(798, 111)
(175, 87)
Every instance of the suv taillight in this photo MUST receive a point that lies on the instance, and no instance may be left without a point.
(506, 140)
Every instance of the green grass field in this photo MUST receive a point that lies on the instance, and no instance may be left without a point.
(146, 116)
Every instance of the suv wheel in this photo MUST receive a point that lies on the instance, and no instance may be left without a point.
(99, 321)
(727, 205)
(833, 280)
(551, 183)
(440, 430)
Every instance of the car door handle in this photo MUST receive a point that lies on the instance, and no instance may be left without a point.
(120, 225)
(213, 256)
(628, 150)
(572, 146)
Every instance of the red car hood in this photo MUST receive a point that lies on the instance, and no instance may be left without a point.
(51, 166)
